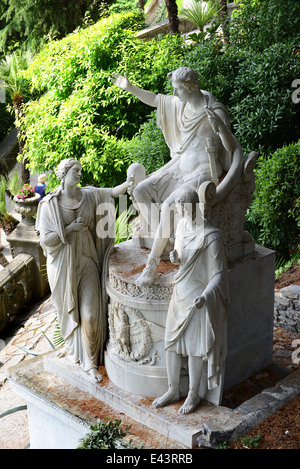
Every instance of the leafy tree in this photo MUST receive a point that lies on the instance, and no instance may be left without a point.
(79, 112)
(32, 22)
(10, 67)
(256, 88)
(258, 24)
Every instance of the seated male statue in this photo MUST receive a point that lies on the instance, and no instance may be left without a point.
(197, 130)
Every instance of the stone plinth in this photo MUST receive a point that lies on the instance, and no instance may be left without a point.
(63, 402)
(135, 357)
(24, 239)
(250, 315)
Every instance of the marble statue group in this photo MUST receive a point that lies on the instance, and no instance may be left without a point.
(204, 157)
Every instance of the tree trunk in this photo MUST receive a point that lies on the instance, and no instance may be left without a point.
(173, 16)
(223, 7)
(224, 18)
(18, 106)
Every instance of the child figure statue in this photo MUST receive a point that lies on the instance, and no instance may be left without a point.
(196, 321)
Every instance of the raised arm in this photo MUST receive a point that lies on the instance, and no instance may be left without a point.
(146, 97)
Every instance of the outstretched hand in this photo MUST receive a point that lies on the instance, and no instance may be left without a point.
(120, 81)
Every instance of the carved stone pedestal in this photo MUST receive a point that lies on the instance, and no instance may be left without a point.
(135, 357)
(24, 239)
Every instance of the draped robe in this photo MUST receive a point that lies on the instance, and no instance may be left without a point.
(203, 270)
(182, 130)
(77, 269)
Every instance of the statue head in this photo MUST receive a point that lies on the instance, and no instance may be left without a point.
(187, 77)
(64, 167)
(187, 201)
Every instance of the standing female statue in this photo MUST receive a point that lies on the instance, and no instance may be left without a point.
(77, 246)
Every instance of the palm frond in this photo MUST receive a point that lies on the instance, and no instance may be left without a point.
(10, 67)
(3, 210)
(13, 182)
(200, 12)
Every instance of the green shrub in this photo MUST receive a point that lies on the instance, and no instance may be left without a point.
(148, 146)
(81, 114)
(120, 6)
(6, 121)
(256, 88)
(29, 24)
(274, 216)
(264, 117)
(106, 435)
(258, 24)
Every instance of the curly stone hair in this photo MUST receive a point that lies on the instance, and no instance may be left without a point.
(187, 76)
(188, 196)
(64, 167)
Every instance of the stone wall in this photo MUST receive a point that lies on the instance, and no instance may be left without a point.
(287, 308)
(16, 284)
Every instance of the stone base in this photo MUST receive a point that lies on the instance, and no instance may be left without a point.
(137, 364)
(25, 239)
(63, 401)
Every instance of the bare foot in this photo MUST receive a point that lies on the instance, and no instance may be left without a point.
(172, 395)
(95, 375)
(191, 402)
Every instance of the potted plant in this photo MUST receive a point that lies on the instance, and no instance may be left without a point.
(26, 201)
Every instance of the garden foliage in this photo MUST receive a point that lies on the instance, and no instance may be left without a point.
(253, 76)
(106, 435)
(260, 23)
(80, 113)
(274, 218)
(257, 89)
(30, 24)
